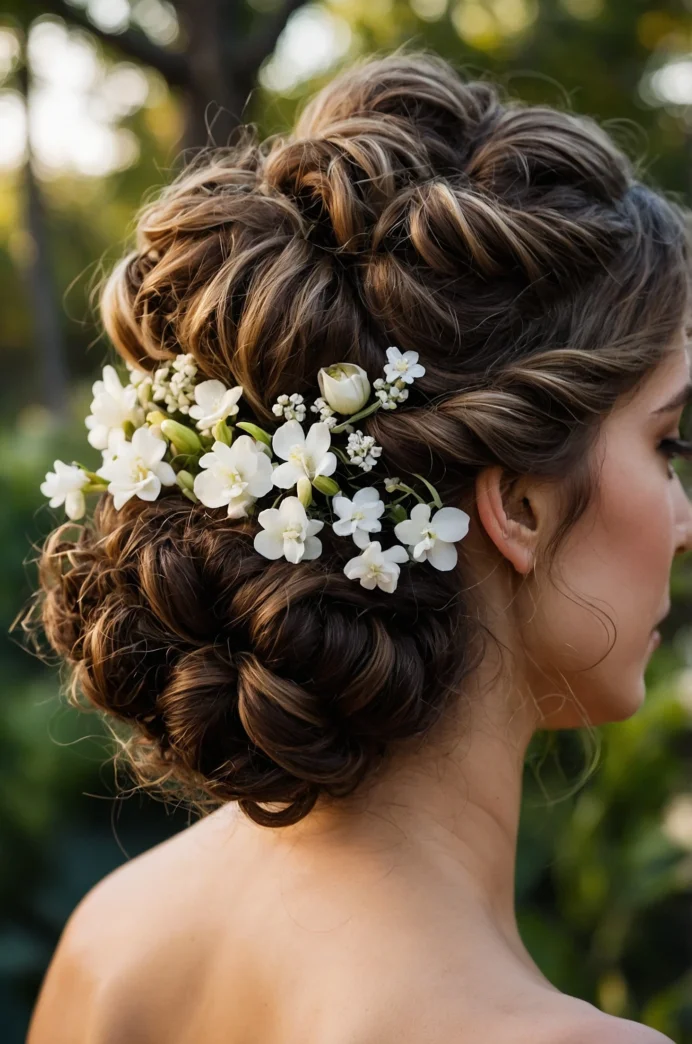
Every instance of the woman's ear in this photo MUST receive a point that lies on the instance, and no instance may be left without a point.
(511, 515)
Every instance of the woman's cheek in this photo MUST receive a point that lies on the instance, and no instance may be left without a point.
(637, 505)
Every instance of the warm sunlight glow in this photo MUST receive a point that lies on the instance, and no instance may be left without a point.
(75, 105)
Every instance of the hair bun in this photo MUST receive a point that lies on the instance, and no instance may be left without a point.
(512, 249)
(237, 681)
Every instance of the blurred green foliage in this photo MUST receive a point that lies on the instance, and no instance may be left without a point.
(604, 882)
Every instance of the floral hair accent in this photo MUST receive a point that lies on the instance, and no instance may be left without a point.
(215, 459)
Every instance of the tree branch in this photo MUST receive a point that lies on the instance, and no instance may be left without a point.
(132, 43)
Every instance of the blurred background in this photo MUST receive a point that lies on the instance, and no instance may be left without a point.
(98, 98)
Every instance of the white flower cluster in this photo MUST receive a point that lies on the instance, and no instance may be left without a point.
(362, 450)
(290, 407)
(327, 414)
(224, 462)
(173, 384)
(399, 371)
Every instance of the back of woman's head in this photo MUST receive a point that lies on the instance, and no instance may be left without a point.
(515, 250)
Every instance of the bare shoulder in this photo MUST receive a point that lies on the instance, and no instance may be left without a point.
(70, 1001)
(121, 926)
(539, 1016)
(598, 1028)
(620, 1031)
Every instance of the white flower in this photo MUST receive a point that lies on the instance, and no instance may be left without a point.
(358, 517)
(116, 438)
(288, 531)
(214, 402)
(376, 567)
(137, 469)
(176, 389)
(390, 395)
(112, 406)
(402, 367)
(362, 450)
(137, 377)
(64, 486)
(345, 387)
(327, 415)
(290, 407)
(235, 476)
(391, 483)
(309, 456)
(433, 538)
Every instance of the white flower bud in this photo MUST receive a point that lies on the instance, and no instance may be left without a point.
(304, 491)
(344, 386)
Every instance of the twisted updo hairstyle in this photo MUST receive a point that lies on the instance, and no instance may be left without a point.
(514, 248)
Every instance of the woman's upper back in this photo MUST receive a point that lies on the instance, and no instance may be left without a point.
(218, 936)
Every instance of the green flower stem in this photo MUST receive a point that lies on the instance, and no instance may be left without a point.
(91, 475)
(435, 495)
(338, 428)
(183, 461)
(419, 498)
(95, 487)
(341, 455)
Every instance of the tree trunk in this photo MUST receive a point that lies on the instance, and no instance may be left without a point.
(40, 285)
(215, 100)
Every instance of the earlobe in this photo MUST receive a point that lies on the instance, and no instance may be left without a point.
(514, 539)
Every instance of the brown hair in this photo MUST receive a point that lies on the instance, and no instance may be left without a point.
(513, 247)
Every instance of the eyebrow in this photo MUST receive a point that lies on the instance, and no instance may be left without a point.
(681, 398)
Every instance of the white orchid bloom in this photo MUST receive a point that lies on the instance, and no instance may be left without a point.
(287, 531)
(112, 406)
(344, 386)
(234, 476)
(358, 517)
(137, 469)
(64, 486)
(402, 367)
(377, 568)
(116, 438)
(309, 456)
(214, 402)
(433, 538)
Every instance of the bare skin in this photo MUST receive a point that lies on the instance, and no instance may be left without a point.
(390, 916)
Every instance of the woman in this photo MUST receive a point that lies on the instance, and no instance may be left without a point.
(351, 682)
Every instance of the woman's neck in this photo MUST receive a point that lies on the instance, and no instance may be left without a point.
(446, 810)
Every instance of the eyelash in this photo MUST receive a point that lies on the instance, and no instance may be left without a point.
(671, 448)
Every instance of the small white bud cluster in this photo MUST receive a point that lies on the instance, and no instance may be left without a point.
(138, 377)
(327, 414)
(176, 389)
(363, 450)
(290, 407)
(390, 395)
